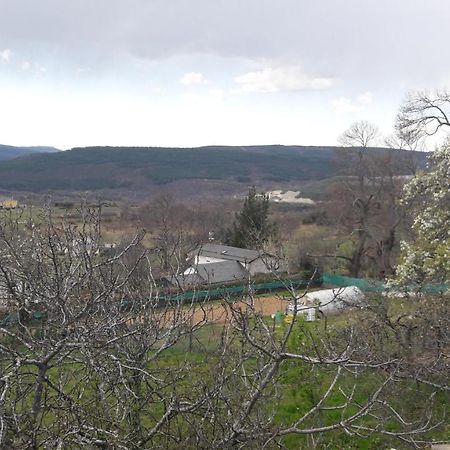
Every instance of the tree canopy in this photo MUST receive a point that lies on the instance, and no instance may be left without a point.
(426, 258)
(252, 227)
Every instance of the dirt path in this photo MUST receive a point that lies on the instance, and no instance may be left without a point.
(219, 313)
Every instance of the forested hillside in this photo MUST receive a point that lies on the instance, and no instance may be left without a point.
(137, 168)
(10, 152)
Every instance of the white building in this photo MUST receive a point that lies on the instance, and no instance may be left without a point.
(214, 263)
(253, 261)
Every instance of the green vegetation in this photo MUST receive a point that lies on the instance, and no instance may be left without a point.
(9, 151)
(252, 228)
(297, 389)
(122, 369)
(119, 168)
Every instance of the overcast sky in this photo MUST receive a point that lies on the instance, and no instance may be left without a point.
(199, 72)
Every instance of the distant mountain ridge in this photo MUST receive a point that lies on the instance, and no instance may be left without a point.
(138, 169)
(10, 151)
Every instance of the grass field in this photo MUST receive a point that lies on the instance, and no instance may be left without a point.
(298, 388)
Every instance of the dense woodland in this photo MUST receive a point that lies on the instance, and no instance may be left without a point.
(138, 171)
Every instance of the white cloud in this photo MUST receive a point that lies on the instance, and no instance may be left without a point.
(25, 65)
(5, 55)
(287, 78)
(192, 78)
(345, 105)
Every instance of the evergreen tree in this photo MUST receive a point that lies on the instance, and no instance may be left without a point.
(252, 228)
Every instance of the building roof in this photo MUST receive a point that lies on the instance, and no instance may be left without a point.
(221, 272)
(185, 280)
(211, 273)
(229, 253)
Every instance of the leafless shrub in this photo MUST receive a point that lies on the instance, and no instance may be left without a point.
(90, 359)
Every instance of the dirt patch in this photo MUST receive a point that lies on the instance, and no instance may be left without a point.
(220, 313)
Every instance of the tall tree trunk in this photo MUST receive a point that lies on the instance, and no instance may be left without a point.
(355, 266)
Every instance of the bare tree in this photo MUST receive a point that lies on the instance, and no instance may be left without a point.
(78, 336)
(408, 144)
(404, 141)
(366, 200)
(369, 216)
(423, 114)
(360, 134)
(91, 359)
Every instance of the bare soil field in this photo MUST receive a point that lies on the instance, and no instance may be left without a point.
(220, 312)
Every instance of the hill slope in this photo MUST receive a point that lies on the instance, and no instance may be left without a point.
(138, 168)
(10, 152)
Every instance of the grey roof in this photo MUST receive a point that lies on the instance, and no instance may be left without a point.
(211, 273)
(227, 252)
(221, 272)
(184, 280)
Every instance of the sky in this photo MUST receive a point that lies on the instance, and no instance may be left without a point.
(204, 72)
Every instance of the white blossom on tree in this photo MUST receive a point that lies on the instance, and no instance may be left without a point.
(427, 258)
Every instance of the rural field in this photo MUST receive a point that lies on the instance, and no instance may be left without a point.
(120, 327)
(143, 325)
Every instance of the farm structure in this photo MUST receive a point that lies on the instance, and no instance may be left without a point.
(214, 263)
(9, 204)
(327, 302)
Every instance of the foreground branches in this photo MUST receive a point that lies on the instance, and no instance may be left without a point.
(95, 353)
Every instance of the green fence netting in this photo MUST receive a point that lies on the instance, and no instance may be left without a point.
(213, 293)
(379, 286)
(234, 291)
(361, 283)
(199, 295)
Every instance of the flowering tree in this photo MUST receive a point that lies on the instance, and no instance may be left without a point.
(427, 195)
(427, 258)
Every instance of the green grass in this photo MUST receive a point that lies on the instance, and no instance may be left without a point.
(300, 386)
